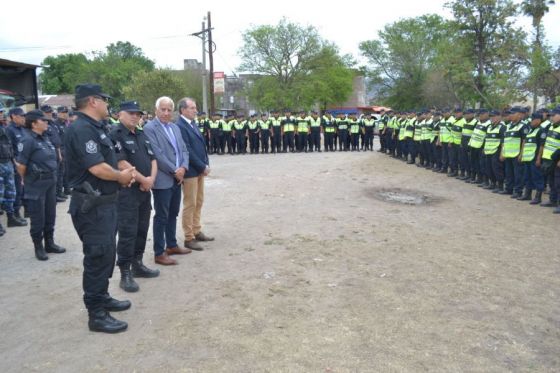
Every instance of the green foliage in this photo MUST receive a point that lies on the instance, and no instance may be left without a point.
(62, 73)
(402, 57)
(298, 69)
(147, 86)
(112, 69)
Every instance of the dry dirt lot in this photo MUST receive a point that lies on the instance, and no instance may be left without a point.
(311, 271)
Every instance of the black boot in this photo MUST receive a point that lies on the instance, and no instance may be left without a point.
(15, 222)
(51, 247)
(499, 187)
(102, 321)
(19, 217)
(40, 250)
(515, 195)
(491, 185)
(140, 270)
(2, 230)
(527, 195)
(113, 305)
(127, 281)
(537, 199)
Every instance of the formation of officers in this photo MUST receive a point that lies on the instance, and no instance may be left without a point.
(510, 152)
(284, 132)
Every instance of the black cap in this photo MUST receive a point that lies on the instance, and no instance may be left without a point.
(16, 111)
(537, 116)
(46, 109)
(482, 111)
(130, 107)
(62, 109)
(34, 115)
(495, 113)
(88, 89)
(470, 111)
(458, 110)
(555, 111)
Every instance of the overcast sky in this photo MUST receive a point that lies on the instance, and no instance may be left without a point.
(162, 30)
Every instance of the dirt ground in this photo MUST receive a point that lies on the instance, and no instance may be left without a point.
(311, 271)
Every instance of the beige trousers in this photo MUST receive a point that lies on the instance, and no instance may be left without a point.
(193, 197)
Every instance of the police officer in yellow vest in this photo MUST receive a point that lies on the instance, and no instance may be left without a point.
(456, 135)
(493, 142)
(315, 135)
(466, 133)
(254, 131)
(532, 175)
(264, 127)
(227, 131)
(549, 159)
(476, 142)
(515, 133)
(240, 133)
(445, 138)
(327, 122)
(276, 131)
(368, 128)
(288, 128)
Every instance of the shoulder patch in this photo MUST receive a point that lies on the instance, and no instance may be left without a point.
(20, 147)
(91, 147)
(102, 136)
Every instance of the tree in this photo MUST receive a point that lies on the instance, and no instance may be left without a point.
(540, 65)
(112, 69)
(147, 86)
(487, 38)
(62, 73)
(401, 57)
(291, 59)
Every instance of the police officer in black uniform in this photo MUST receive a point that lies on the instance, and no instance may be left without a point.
(94, 178)
(134, 203)
(54, 137)
(37, 164)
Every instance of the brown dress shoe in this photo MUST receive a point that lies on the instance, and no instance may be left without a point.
(177, 250)
(192, 244)
(202, 237)
(165, 260)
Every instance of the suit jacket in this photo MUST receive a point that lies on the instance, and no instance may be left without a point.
(165, 153)
(198, 157)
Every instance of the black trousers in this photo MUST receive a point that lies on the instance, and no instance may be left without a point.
(265, 140)
(494, 167)
(227, 141)
(315, 138)
(240, 141)
(355, 140)
(302, 141)
(276, 139)
(368, 138)
(475, 164)
(96, 229)
(60, 178)
(343, 139)
(133, 211)
(19, 192)
(464, 155)
(436, 153)
(289, 141)
(329, 137)
(445, 150)
(454, 157)
(254, 142)
(42, 210)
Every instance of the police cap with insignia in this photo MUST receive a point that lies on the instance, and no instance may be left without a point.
(62, 109)
(34, 115)
(46, 109)
(16, 111)
(494, 113)
(130, 107)
(88, 89)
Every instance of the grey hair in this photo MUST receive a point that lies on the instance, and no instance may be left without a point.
(165, 99)
(183, 103)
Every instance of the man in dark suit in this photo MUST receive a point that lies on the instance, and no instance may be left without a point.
(199, 167)
(172, 163)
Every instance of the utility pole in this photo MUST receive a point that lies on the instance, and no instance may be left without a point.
(204, 77)
(211, 60)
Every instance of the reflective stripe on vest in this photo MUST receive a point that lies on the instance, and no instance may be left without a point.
(478, 135)
(444, 130)
(456, 130)
(552, 143)
(492, 139)
(512, 141)
(468, 128)
(530, 146)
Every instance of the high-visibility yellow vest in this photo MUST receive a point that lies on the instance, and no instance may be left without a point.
(530, 146)
(492, 140)
(288, 126)
(545, 124)
(370, 123)
(226, 126)
(342, 124)
(354, 126)
(409, 128)
(302, 125)
(214, 124)
(468, 127)
(418, 130)
(314, 122)
(552, 143)
(456, 130)
(239, 125)
(478, 135)
(512, 140)
(427, 130)
(445, 136)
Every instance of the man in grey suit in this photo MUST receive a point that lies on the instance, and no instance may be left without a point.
(172, 162)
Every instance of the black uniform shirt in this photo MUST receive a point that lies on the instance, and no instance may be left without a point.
(35, 149)
(60, 125)
(133, 147)
(87, 145)
(53, 134)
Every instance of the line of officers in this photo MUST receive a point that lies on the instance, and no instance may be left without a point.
(276, 133)
(510, 152)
